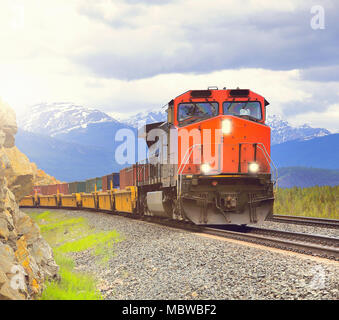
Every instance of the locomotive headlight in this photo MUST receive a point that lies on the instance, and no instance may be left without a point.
(205, 168)
(253, 167)
(226, 126)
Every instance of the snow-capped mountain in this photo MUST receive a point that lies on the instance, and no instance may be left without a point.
(141, 118)
(57, 118)
(281, 130)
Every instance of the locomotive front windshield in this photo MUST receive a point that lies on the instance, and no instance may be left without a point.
(196, 111)
(252, 109)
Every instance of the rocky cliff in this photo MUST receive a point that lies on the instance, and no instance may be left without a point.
(42, 178)
(26, 260)
(22, 173)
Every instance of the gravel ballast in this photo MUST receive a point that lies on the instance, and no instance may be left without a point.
(158, 262)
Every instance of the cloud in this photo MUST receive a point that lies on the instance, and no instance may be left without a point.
(328, 119)
(187, 36)
(149, 2)
(321, 96)
(118, 15)
(135, 55)
(324, 74)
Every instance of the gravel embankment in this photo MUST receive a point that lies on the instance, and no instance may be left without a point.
(157, 262)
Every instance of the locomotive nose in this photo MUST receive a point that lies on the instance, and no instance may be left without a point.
(244, 145)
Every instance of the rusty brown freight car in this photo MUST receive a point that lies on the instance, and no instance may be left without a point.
(128, 177)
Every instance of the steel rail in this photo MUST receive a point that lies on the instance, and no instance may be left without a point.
(300, 242)
(311, 221)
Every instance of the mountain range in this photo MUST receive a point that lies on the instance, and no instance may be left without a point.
(60, 118)
(281, 130)
(64, 120)
(72, 142)
(68, 161)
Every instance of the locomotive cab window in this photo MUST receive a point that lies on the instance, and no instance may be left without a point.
(246, 109)
(196, 111)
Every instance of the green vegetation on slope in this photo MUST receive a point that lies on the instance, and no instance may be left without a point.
(322, 202)
(67, 235)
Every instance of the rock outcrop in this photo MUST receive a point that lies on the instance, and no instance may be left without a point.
(19, 173)
(40, 177)
(22, 174)
(26, 259)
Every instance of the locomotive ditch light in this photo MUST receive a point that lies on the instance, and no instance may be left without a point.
(205, 168)
(226, 126)
(253, 167)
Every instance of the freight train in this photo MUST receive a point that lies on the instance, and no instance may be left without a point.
(209, 164)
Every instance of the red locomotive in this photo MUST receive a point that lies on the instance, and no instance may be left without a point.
(209, 163)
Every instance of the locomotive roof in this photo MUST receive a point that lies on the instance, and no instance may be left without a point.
(225, 93)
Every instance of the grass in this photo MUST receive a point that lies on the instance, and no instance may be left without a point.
(72, 285)
(91, 241)
(66, 236)
(320, 202)
(61, 224)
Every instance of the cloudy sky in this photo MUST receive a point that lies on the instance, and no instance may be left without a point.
(125, 56)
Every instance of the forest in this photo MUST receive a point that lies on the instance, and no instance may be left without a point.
(322, 202)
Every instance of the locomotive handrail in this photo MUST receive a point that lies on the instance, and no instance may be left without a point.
(270, 161)
(189, 152)
(182, 166)
(267, 158)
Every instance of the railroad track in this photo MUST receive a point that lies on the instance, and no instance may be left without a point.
(309, 221)
(318, 245)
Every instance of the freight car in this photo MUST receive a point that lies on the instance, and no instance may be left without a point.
(209, 163)
(115, 200)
